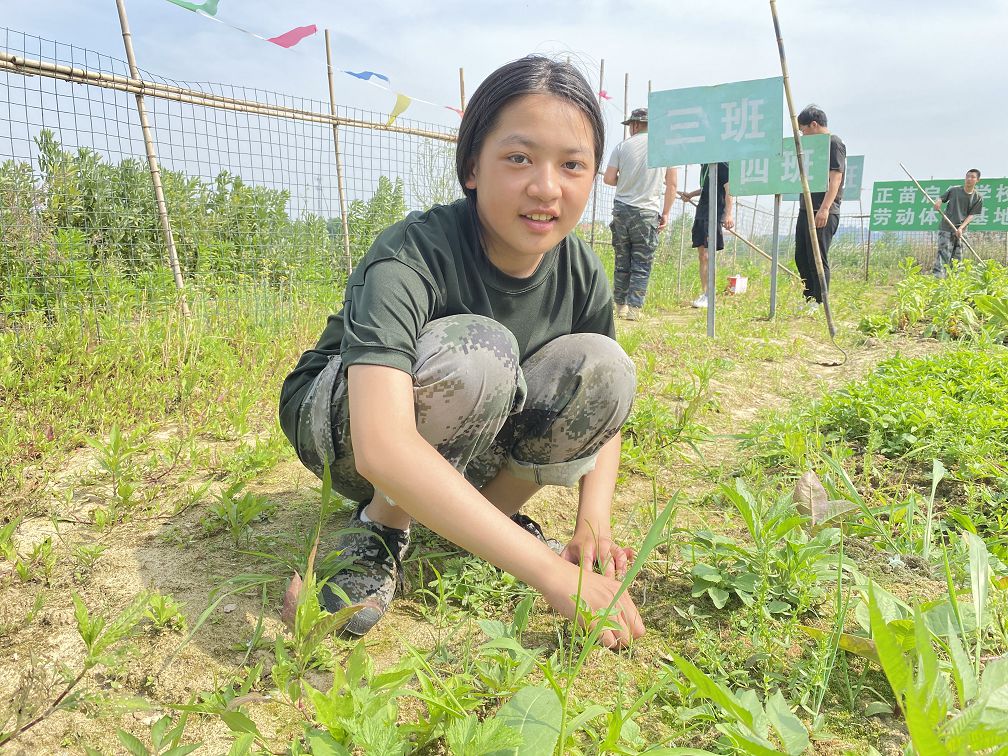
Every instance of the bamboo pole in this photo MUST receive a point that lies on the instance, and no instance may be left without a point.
(752, 246)
(806, 194)
(152, 162)
(626, 103)
(339, 162)
(461, 88)
(133, 85)
(942, 212)
(601, 79)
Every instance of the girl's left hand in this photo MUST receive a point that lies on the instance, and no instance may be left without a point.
(612, 559)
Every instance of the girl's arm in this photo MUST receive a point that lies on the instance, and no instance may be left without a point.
(592, 539)
(399, 462)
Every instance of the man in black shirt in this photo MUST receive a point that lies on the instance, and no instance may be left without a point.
(964, 203)
(812, 120)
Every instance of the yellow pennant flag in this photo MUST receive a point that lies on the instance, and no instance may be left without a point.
(401, 103)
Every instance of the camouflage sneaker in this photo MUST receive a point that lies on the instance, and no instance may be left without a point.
(634, 313)
(533, 527)
(375, 574)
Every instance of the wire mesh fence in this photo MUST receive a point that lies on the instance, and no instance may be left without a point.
(252, 192)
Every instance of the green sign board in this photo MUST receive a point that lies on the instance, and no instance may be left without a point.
(900, 206)
(851, 187)
(733, 121)
(778, 174)
(853, 175)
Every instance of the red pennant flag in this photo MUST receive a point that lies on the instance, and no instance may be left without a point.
(457, 110)
(291, 38)
(604, 95)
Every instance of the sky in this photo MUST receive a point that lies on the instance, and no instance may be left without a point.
(913, 81)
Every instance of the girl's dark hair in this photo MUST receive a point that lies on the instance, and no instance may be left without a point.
(533, 74)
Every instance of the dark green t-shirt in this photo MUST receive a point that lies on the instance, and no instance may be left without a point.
(960, 205)
(432, 265)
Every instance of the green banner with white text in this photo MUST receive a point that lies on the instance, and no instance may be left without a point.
(900, 206)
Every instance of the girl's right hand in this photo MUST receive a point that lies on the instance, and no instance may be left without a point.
(597, 591)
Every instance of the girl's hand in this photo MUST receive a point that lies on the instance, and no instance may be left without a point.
(587, 549)
(597, 591)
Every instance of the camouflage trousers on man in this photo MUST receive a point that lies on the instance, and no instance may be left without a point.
(634, 239)
(543, 420)
(949, 249)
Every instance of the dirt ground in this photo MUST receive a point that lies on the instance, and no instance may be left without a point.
(171, 554)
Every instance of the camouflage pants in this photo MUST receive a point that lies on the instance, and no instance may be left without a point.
(634, 239)
(949, 249)
(544, 420)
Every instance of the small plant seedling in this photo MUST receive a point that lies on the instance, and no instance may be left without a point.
(165, 613)
(235, 514)
(88, 554)
(7, 549)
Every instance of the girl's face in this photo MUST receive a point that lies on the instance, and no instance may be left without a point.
(532, 177)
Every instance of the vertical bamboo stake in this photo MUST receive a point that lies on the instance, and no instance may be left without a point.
(152, 163)
(339, 162)
(806, 194)
(601, 79)
(626, 103)
(461, 88)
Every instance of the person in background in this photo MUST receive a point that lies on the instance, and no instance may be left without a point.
(723, 208)
(962, 204)
(825, 205)
(639, 214)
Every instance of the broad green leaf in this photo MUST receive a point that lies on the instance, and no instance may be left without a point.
(706, 572)
(718, 596)
(240, 723)
(132, 743)
(962, 668)
(357, 664)
(921, 728)
(979, 561)
(242, 745)
(331, 709)
(158, 731)
(323, 744)
(793, 735)
(995, 676)
(535, 713)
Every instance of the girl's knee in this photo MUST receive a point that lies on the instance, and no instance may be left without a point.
(608, 371)
(605, 374)
(469, 361)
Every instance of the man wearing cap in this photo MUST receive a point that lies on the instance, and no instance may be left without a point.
(639, 214)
